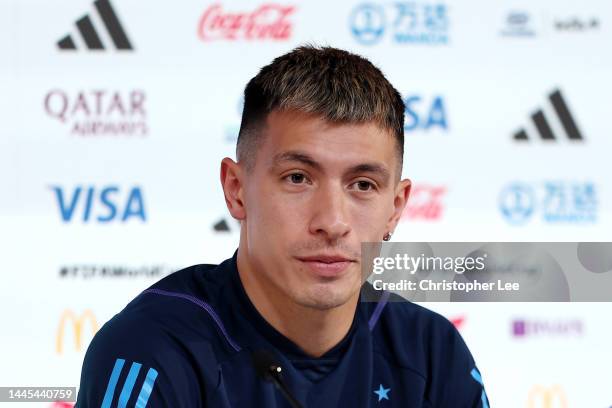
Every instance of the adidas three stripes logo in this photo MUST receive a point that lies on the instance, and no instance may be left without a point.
(91, 37)
(543, 127)
(128, 385)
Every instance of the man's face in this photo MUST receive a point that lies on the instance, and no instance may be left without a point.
(316, 191)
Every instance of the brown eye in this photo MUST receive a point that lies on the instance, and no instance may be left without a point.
(363, 185)
(297, 178)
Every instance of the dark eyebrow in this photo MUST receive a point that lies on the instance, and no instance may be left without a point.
(307, 160)
(293, 155)
(372, 168)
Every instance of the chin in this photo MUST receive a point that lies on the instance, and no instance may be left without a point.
(324, 296)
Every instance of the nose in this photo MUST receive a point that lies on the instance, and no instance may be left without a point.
(330, 217)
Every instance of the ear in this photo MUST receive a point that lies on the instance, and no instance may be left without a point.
(402, 192)
(232, 182)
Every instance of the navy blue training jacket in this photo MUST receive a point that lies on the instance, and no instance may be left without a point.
(187, 341)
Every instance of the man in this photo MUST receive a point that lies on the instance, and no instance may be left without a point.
(319, 160)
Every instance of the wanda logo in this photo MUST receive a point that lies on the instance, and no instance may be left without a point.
(267, 22)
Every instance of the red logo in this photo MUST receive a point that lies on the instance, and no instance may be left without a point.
(61, 404)
(457, 321)
(268, 21)
(425, 203)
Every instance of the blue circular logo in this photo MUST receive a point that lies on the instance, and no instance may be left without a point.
(367, 23)
(517, 203)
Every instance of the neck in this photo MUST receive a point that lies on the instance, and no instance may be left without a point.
(315, 331)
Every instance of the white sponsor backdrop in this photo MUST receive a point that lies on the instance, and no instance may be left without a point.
(472, 73)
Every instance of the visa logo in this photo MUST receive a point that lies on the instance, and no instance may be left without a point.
(100, 204)
(421, 115)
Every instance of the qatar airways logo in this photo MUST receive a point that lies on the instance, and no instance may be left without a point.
(267, 22)
(99, 112)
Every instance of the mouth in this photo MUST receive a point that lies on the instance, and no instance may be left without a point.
(327, 266)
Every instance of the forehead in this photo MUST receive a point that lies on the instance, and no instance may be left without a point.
(327, 142)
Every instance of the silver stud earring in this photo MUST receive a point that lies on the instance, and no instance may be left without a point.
(387, 236)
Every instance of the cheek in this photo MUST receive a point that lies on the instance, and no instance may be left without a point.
(276, 212)
(282, 205)
(368, 219)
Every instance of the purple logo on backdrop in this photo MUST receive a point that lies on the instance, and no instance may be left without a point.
(559, 328)
(518, 328)
(99, 112)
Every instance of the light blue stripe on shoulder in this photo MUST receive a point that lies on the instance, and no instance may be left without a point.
(129, 385)
(147, 387)
(476, 376)
(483, 396)
(112, 383)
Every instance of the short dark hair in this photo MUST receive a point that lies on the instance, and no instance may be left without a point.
(335, 84)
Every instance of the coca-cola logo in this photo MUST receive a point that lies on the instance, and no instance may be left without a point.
(99, 112)
(267, 22)
(425, 203)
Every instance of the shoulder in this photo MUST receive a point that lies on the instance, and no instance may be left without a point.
(163, 336)
(175, 311)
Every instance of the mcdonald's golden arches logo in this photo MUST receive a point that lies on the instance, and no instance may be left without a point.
(78, 324)
(547, 397)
